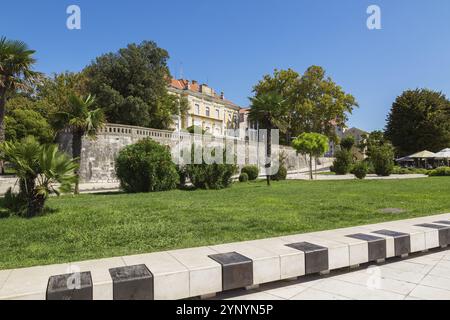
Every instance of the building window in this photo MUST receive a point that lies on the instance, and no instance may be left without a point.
(217, 113)
(207, 111)
(197, 109)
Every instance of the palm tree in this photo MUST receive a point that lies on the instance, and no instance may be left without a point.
(16, 62)
(39, 168)
(82, 119)
(268, 111)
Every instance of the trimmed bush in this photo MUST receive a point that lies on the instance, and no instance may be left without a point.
(251, 171)
(441, 171)
(382, 159)
(343, 162)
(400, 170)
(360, 169)
(281, 174)
(243, 177)
(146, 166)
(210, 176)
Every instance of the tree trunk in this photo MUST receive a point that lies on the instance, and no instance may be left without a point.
(315, 167)
(77, 137)
(268, 155)
(311, 167)
(2, 122)
(35, 201)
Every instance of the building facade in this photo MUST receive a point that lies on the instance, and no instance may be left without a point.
(207, 109)
(358, 135)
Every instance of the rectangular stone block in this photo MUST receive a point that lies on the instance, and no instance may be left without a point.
(237, 270)
(443, 222)
(402, 241)
(266, 264)
(376, 245)
(171, 278)
(292, 261)
(444, 232)
(72, 286)
(200, 267)
(132, 283)
(316, 257)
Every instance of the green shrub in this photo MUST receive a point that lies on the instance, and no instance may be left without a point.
(343, 162)
(243, 177)
(441, 171)
(360, 169)
(382, 158)
(146, 166)
(251, 171)
(281, 174)
(210, 176)
(400, 170)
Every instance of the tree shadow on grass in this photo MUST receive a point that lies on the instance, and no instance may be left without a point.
(107, 193)
(6, 213)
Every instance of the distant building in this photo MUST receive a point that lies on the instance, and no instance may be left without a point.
(356, 133)
(207, 109)
(249, 128)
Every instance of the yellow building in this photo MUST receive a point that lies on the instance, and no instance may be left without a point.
(208, 110)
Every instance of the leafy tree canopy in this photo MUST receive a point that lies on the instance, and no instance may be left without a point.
(372, 141)
(347, 143)
(419, 120)
(21, 123)
(314, 144)
(131, 86)
(314, 102)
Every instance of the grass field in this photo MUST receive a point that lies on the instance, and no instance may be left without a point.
(106, 225)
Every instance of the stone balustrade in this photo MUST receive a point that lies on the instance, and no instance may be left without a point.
(98, 155)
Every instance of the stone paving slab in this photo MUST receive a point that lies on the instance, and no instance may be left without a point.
(186, 273)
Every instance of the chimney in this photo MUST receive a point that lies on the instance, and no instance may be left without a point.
(222, 95)
(187, 86)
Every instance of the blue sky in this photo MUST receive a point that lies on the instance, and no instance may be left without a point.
(231, 44)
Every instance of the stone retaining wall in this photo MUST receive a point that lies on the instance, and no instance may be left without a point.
(98, 156)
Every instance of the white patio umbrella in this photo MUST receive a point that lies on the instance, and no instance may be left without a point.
(423, 155)
(444, 155)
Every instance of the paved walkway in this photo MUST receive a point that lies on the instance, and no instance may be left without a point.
(305, 176)
(7, 182)
(426, 276)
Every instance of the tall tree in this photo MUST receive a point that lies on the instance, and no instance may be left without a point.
(268, 109)
(16, 63)
(315, 103)
(131, 86)
(82, 119)
(53, 93)
(419, 120)
(285, 84)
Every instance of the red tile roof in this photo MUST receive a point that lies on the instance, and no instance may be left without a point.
(183, 84)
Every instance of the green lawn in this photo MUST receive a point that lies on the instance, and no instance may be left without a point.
(105, 225)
